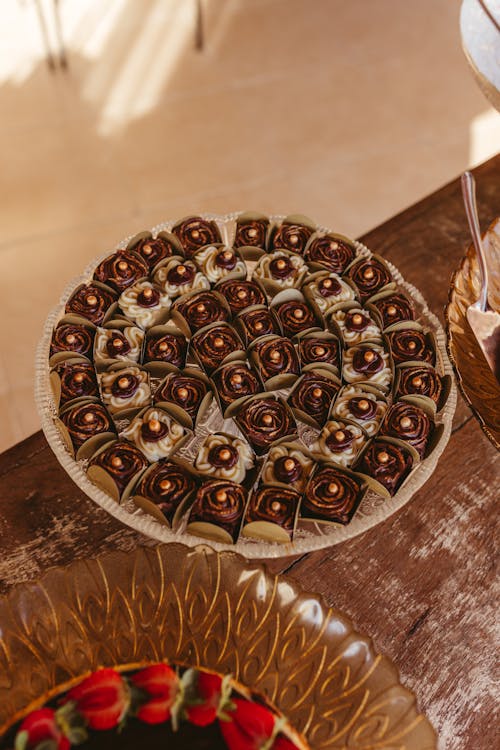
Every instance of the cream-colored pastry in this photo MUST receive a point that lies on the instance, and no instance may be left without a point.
(124, 344)
(360, 406)
(225, 457)
(218, 262)
(356, 326)
(288, 466)
(155, 433)
(329, 290)
(339, 442)
(284, 269)
(180, 277)
(367, 364)
(125, 389)
(144, 304)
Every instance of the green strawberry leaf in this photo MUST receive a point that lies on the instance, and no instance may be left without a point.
(21, 740)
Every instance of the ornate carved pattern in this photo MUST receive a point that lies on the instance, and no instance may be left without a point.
(213, 610)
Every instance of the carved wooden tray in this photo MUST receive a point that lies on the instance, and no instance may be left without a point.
(207, 609)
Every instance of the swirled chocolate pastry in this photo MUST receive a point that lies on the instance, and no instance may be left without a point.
(409, 423)
(154, 249)
(124, 344)
(202, 308)
(72, 338)
(330, 252)
(420, 381)
(213, 345)
(225, 457)
(251, 231)
(155, 433)
(77, 379)
(166, 485)
(195, 232)
(144, 303)
(241, 294)
(370, 276)
(259, 321)
(121, 269)
(85, 420)
(356, 326)
(282, 269)
(122, 461)
(125, 389)
(278, 505)
(276, 356)
(291, 237)
(332, 495)
(360, 406)
(167, 347)
(315, 350)
(186, 391)
(329, 290)
(313, 395)
(220, 502)
(263, 421)
(394, 308)
(91, 302)
(410, 345)
(287, 464)
(180, 277)
(235, 380)
(389, 464)
(367, 364)
(339, 442)
(218, 261)
(295, 316)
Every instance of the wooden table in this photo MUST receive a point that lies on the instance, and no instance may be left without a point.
(422, 584)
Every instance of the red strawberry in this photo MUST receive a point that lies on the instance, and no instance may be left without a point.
(283, 743)
(41, 726)
(207, 697)
(160, 683)
(249, 727)
(102, 699)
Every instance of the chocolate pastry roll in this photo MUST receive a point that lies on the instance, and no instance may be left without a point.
(125, 389)
(420, 381)
(91, 302)
(276, 356)
(258, 321)
(409, 423)
(291, 237)
(122, 461)
(241, 294)
(84, 421)
(263, 421)
(369, 275)
(389, 464)
(394, 308)
(219, 502)
(72, 338)
(235, 380)
(202, 308)
(195, 232)
(314, 350)
(251, 231)
(332, 495)
(213, 345)
(153, 250)
(121, 270)
(184, 390)
(274, 505)
(410, 345)
(77, 379)
(295, 316)
(331, 252)
(313, 396)
(166, 485)
(225, 457)
(168, 347)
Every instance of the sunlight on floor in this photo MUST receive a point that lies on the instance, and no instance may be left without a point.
(484, 136)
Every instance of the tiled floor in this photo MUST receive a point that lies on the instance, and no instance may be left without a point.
(347, 111)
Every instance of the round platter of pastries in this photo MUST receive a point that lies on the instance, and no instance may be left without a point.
(259, 382)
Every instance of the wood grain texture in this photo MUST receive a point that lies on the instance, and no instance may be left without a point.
(422, 583)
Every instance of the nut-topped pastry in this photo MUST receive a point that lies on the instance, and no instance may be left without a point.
(275, 355)
(91, 302)
(251, 230)
(219, 503)
(155, 249)
(263, 421)
(218, 261)
(121, 461)
(410, 423)
(287, 464)
(319, 350)
(370, 276)
(387, 463)
(367, 364)
(410, 345)
(187, 391)
(121, 269)
(291, 235)
(419, 380)
(145, 304)
(179, 276)
(166, 347)
(339, 442)
(393, 308)
(233, 381)
(225, 457)
(166, 485)
(327, 290)
(114, 344)
(155, 433)
(332, 495)
(195, 232)
(202, 308)
(78, 339)
(272, 506)
(312, 396)
(124, 389)
(280, 270)
(214, 344)
(257, 321)
(361, 406)
(241, 294)
(295, 316)
(356, 326)
(85, 420)
(76, 379)
(330, 251)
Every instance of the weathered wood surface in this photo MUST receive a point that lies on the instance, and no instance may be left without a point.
(422, 583)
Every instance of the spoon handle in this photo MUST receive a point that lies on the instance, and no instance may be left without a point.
(469, 196)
